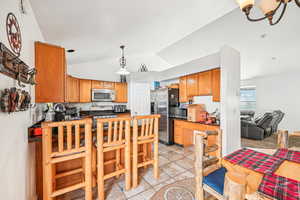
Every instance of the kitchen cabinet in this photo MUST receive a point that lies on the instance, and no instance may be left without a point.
(216, 84)
(205, 83)
(50, 63)
(192, 86)
(85, 90)
(103, 85)
(182, 90)
(72, 89)
(121, 92)
(184, 132)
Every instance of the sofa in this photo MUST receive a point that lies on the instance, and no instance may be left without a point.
(263, 126)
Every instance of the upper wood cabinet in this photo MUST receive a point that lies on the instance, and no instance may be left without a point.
(192, 85)
(205, 83)
(216, 84)
(50, 63)
(103, 85)
(72, 89)
(85, 90)
(182, 89)
(121, 92)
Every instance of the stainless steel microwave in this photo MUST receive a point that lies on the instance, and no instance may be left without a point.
(103, 95)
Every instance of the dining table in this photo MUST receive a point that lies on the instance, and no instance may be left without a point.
(269, 174)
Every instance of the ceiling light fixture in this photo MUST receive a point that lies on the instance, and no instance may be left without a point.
(268, 7)
(123, 70)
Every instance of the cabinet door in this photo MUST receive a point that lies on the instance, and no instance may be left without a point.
(178, 135)
(216, 84)
(188, 138)
(72, 89)
(205, 83)
(121, 92)
(108, 85)
(192, 86)
(51, 73)
(85, 87)
(103, 85)
(182, 90)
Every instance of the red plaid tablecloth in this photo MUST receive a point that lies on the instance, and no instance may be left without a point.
(288, 155)
(254, 160)
(279, 188)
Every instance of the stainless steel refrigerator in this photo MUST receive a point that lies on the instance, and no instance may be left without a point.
(162, 100)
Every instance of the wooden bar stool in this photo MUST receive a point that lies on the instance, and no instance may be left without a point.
(145, 135)
(66, 141)
(113, 135)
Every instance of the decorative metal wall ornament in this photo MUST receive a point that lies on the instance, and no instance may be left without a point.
(14, 100)
(14, 67)
(13, 34)
(143, 68)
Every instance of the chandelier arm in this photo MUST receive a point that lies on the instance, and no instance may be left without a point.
(297, 2)
(281, 15)
(266, 16)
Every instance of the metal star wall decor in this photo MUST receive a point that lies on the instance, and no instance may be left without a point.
(13, 33)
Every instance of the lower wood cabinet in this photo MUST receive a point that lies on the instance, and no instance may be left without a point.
(184, 132)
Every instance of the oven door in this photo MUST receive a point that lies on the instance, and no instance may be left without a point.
(103, 95)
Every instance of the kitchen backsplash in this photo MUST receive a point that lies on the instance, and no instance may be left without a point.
(208, 101)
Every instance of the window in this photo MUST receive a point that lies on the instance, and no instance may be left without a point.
(248, 98)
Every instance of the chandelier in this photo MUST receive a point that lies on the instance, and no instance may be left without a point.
(123, 70)
(268, 7)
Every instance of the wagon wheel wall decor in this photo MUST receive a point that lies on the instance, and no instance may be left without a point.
(13, 34)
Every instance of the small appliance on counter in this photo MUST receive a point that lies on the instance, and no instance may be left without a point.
(197, 113)
(59, 110)
(120, 108)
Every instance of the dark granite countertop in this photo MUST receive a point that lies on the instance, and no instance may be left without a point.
(197, 122)
(100, 112)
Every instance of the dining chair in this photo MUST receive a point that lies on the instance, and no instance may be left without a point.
(113, 135)
(145, 136)
(284, 137)
(62, 142)
(210, 175)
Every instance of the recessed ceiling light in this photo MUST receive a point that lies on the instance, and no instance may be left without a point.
(70, 50)
(263, 35)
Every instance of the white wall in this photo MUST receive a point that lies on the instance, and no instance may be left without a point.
(16, 155)
(279, 92)
(230, 99)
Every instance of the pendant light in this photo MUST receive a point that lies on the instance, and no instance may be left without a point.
(123, 70)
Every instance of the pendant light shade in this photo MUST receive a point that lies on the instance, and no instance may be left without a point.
(123, 70)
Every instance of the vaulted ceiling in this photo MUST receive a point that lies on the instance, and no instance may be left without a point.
(165, 33)
(96, 28)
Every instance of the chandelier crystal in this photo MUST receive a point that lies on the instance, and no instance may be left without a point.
(268, 7)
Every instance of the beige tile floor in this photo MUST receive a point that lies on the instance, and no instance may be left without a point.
(176, 163)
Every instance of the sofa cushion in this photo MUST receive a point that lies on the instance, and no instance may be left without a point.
(215, 180)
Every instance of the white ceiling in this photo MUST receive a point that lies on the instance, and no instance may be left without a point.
(282, 42)
(166, 33)
(96, 28)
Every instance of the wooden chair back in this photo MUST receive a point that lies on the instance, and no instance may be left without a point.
(148, 126)
(63, 138)
(64, 141)
(113, 134)
(145, 134)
